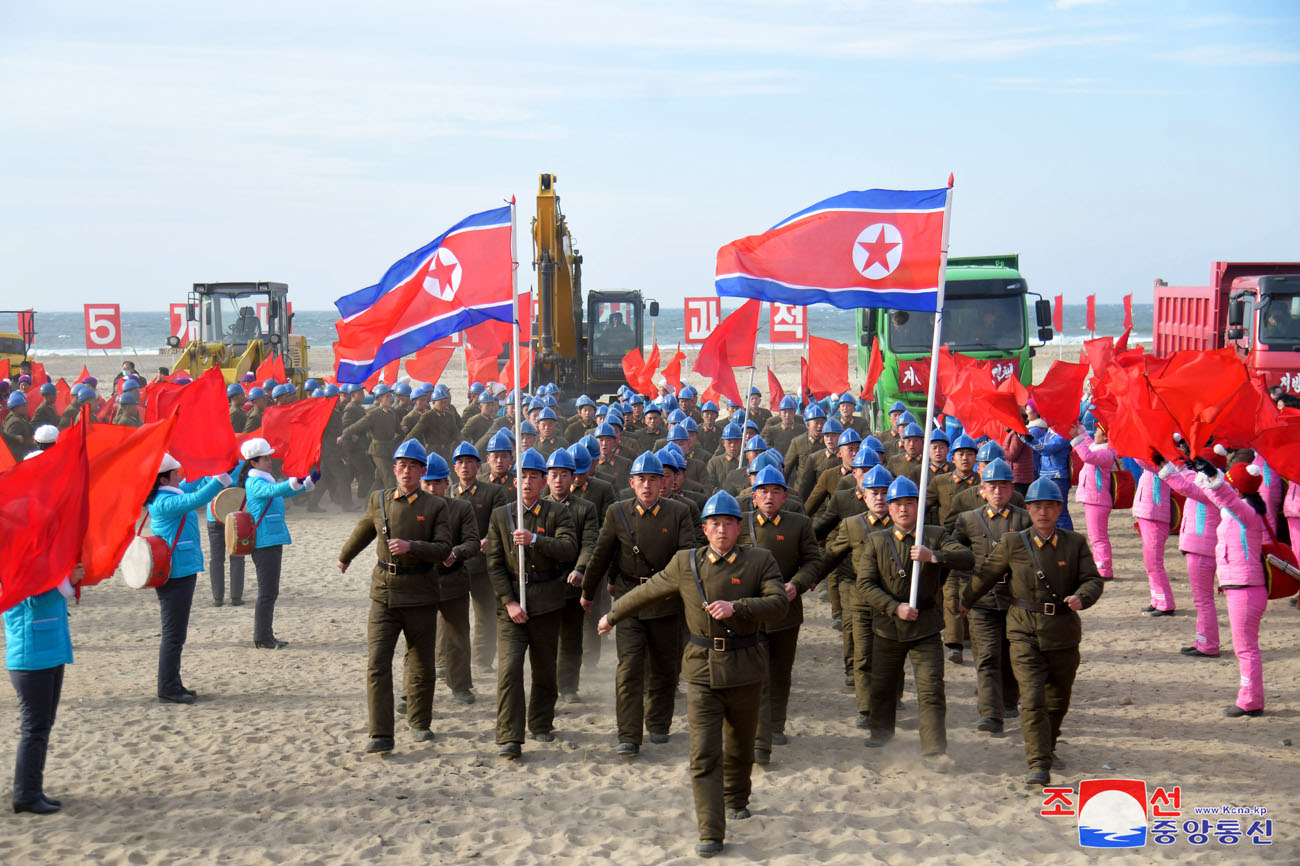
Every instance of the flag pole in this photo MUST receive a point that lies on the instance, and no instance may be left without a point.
(514, 366)
(929, 395)
(744, 400)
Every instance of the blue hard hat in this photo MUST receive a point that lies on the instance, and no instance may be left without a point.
(647, 464)
(669, 402)
(317, 392)
(873, 444)
(963, 442)
(721, 504)
(550, 401)
(602, 410)
(488, 397)
(605, 429)
(788, 402)
(1044, 490)
(756, 443)
(560, 459)
(254, 393)
(129, 384)
(688, 424)
(233, 390)
(268, 384)
(898, 406)
(282, 390)
(905, 419)
(440, 392)
(653, 407)
(402, 389)
(17, 398)
(814, 410)
(913, 431)
(547, 414)
(581, 458)
(411, 449)
(465, 449)
(312, 384)
(833, 427)
(777, 456)
(421, 390)
(687, 392)
(584, 400)
(84, 393)
(902, 487)
(592, 444)
(614, 418)
(500, 441)
(738, 416)
(849, 437)
(769, 475)
(678, 434)
(677, 416)
(940, 436)
(731, 431)
(751, 424)
(877, 476)
(380, 390)
(532, 459)
(638, 400)
(754, 392)
(527, 428)
(48, 389)
(997, 469)
(865, 458)
(709, 406)
(847, 397)
(760, 462)
(476, 388)
(331, 390)
(671, 456)
(988, 451)
(129, 398)
(435, 469)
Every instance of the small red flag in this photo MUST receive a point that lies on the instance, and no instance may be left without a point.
(1058, 314)
(775, 392)
(295, 431)
(828, 366)
(875, 367)
(1128, 312)
(272, 368)
(1057, 397)
(64, 395)
(429, 363)
(203, 441)
(672, 371)
(731, 344)
(1090, 318)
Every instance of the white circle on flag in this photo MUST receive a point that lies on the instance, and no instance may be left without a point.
(878, 250)
(442, 280)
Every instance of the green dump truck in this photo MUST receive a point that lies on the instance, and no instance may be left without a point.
(985, 316)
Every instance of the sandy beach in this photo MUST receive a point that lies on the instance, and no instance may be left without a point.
(268, 768)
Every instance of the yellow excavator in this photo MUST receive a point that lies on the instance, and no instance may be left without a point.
(240, 326)
(14, 345)
(582, 355)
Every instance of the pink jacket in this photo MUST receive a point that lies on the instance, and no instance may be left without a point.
(1291, 505)
(1241, 536)
(1199, 530)
(1152, 500)
(1094, 478)
(1270, 483)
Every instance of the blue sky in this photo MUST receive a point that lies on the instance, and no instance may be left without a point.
(147, 146)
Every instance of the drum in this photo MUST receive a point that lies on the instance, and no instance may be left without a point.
(1123, 488)
(241, 533)
(228, 500)
(147, 562)
(1280, 570)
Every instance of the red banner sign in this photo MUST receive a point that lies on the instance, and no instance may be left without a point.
(702, 316)
(103, 326)
(184, 330)
(787, 323)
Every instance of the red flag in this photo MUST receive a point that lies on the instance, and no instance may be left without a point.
(39, 376)
(123, 466)
(982, 408)
(633, 367)
(4, 369)
(1090, 317)
(203, 441)
(649, 369)
(63, 396)
(1057, 397)
(43, 512)
(1280, 445)
(731, 344)
(295, 431)
(775, 393)
(672, 371)
(429, 363)
(1058, 314)
(160, 399)
(82, 376)
(524, 358)
(875, 367)
(272, 368)
(828, 366)
(1135, 419)
(1196, 386)
(1128, 312)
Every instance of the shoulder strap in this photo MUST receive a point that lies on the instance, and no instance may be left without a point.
(893, 554)
(753, 536)
(1038, 566)
(383, 511)
(988, 530)
(636, 551)
(695, 572)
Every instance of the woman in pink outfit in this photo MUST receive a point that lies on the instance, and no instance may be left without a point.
(1093, 493)
(1291, 511)
(1241, 571)
(1197, 536)
(1270, 490)
(1151, 506)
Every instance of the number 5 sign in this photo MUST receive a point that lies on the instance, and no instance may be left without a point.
(702, 316)
(103, 326)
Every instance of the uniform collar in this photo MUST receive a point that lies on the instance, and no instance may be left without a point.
(878, 520)
(715, 557)
(470, 490)
(576, 488)
(900, 534)
(1004, 513)
(1043, 542)
(397, 494)
(969, 479)
(764, 520)
(535, 509)
(653, 510)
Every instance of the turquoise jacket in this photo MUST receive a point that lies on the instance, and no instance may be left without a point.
(266, 497)
(173, 508)
(36, 633)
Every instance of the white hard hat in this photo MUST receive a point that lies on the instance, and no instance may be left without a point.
(255, 448)
(46, 434)
(168, 464)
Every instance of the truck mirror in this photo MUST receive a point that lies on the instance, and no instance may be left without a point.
(274, 339)
(1236, 333)
(654, 309)
(1236, 314)
(273, 309)
(864, 339)
(1043, 310)
(1045, 334)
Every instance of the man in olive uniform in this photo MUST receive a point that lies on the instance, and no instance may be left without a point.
(379, 426)
(755, 411)
(550, 540)
(1053, 576)
(484, 497)
(354, 450)
(939, 448)
(548, 436)
(413, 532)
(844, 410)
(720, 465)
(907, 462)
(259, 400)
(235, 397)
(805, 444)
(945, 486)
(708, 431)
(560, 467)
(637, 538)
(439, 428)
(476, 427)
(419, 408)
(45, 412)
(585, 422)
(884, 582)
(818, 460)
(17, 429)
(847, 447)
(128, 410)
(610, 465)
(728, 592)
(981, 529)
(500, 469)
(783, 427)
(789, 538)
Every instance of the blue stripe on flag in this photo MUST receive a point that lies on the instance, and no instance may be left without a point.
(921, 300)
(877, 200)
(359, 370)
(363, 299)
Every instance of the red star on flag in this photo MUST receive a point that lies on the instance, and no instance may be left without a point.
(442, 272)
(877, 251)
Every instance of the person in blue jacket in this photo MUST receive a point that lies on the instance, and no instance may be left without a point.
(37, 646)
(265, 504)
(172, 505)
(1052, 452)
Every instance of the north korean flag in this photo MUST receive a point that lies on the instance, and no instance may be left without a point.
(461, 278)
(870, 248)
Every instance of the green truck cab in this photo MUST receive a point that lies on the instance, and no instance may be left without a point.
(985, 316)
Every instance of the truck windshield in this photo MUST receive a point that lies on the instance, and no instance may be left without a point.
(614, 336)
(969, 324)
(235, 320)
(1279, 320)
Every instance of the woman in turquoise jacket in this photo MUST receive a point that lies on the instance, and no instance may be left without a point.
(265, 504)
(172, 506)
(37, 646)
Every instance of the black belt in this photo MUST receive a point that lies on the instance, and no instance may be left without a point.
(725, 644)
(394, 568)
(1046, 608)
(542, 576)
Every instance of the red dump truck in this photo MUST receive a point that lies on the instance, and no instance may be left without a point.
(1252, 306)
